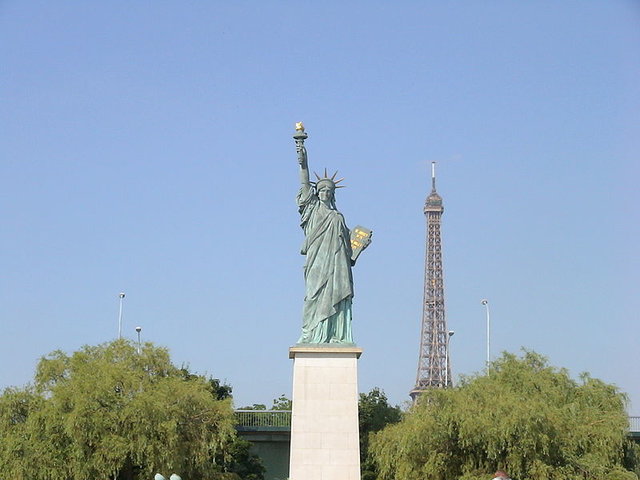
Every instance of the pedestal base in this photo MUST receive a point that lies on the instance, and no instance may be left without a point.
(324, 423)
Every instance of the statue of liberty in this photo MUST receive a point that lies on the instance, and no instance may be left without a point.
(331, 250)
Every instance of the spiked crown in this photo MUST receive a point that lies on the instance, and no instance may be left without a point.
(326, 180)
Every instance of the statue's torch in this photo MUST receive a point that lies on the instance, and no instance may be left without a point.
(300, 136)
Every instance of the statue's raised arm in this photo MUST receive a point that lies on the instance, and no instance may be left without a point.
(300, 136)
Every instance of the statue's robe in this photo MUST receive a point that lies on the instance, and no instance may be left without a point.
(327, 272)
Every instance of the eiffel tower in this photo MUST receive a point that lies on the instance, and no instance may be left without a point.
(434, 368)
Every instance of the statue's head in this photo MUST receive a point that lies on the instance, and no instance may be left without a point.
(325, 184)
(326, 187)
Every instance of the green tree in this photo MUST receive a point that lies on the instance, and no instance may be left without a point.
(282, 403)
(255, 406)
(219, 390)
(107, 411)
(526, 417)
(239, 460)
(16, 448)
(374, 413)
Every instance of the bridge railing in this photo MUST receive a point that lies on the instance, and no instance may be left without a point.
(282, 419)
(263, 418)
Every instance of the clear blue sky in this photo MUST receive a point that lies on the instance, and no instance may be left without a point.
(146, 147)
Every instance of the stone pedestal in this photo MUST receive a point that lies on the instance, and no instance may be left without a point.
(324, 423)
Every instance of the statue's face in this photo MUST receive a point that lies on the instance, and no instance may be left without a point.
(325, 193)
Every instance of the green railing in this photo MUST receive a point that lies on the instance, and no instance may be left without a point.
(263, 418)
(282, 419)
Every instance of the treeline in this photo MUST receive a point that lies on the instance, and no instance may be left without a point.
(113, 412)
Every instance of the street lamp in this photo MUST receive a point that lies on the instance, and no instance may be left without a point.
(120, 316)
(138, 330)
(485, 302)
(446, 370)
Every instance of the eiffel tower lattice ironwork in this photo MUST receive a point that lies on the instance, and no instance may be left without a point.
(434, 367)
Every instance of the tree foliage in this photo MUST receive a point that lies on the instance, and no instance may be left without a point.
(107, 411)
(282, 403)
(374, 413)
(239, 460)
(526, 417)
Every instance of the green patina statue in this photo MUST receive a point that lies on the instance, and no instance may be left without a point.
(331, 250)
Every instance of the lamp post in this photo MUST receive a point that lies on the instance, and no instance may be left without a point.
(485, 302)
(120, 316)
(138, 330)
(446, 369)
